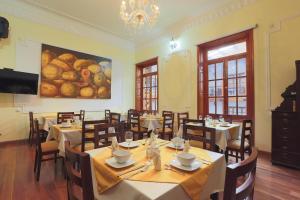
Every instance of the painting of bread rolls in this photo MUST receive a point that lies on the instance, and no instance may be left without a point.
(71, 74)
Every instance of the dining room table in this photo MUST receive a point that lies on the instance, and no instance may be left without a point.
(224, 132)
(71, 133)
(151, 122)
(171, 182)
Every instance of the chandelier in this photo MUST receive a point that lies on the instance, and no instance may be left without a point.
(138, 13)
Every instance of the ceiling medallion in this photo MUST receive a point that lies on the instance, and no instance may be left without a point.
(139, 13)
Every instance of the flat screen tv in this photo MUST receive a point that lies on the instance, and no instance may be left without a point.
(18, 82)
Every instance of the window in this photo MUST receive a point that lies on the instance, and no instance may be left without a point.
(225, 78)
(147, 85)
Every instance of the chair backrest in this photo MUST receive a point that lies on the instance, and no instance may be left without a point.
(246, 168)
(88, 127)
(37, 136)
(80, 115)
(79, 174)
(135, 120)
(114, 118)
(168, 121)
(64, 116)
(247, 133)
(166, 112)
(106, 114)
(181, 117)
(102, 134)
(204, 134)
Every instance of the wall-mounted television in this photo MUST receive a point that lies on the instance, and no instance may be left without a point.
(18, 82)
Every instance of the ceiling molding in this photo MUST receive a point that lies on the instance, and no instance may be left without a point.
(42, 16)
(178, 29)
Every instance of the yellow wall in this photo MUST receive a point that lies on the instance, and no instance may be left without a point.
(284, 50)
(14, 122)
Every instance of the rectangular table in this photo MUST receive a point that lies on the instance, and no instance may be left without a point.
(72, 134)
(144, 190)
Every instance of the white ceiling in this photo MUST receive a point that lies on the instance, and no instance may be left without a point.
(104, 14)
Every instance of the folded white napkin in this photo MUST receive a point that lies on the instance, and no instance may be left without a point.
(114, 144)
(187, 146)
(152, 138)
(156, 159)
(150, 150)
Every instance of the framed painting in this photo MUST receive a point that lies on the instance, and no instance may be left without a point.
(71, 74)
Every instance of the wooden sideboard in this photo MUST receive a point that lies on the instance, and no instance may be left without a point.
(286, 126)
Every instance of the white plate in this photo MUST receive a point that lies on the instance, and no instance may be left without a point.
(195, 165)
(129, 144)
(171, 145)
(113, 163)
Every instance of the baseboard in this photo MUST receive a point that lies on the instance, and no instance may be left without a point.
(13, 142)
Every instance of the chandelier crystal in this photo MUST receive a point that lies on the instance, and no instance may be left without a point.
(138, 13)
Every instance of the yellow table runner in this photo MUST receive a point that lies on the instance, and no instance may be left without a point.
(192, 182)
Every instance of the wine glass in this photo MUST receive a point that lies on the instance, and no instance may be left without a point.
(221, 119)
(128, 138)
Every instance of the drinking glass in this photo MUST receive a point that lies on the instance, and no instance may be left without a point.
(221, 119)
(128, 138)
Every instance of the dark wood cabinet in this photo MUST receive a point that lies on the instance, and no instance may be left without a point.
(286, 126)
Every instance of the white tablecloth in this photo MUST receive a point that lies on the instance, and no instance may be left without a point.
(223, 134)
(151, 122)
(73, 135)
(139, 190)
(48, 121)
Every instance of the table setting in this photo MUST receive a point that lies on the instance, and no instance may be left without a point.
(151, 122)
(225, 131)
(156, 161)
(71, 130)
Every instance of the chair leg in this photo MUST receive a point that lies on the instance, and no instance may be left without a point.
(30, 138)
(237, 156)
(55, 158)
(35, 161)
(242, 155)
(64, 168)
(39, 167)
(226, 156)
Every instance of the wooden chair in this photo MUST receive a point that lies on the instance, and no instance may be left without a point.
(114, 118)
(168, 126)
(44, 150)
(42, 132)
(64, 116)
(102, 135)
(87, 137)
(135, 125)
(80, 115)
(79, 176)
(200, 133)
(106, 114)
(242, 145)
(181, 117)
(245, 169)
